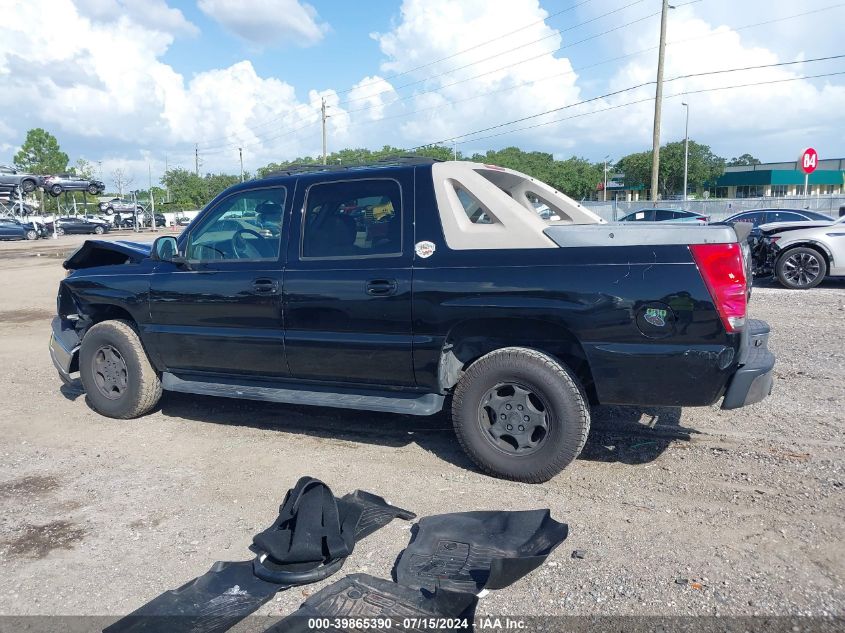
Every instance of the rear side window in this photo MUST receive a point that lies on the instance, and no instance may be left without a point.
(662, 215)
(784, 216)
(754, 218)
(361, 218)
(476, 212)
(640, 216)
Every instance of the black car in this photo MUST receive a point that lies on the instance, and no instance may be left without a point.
(79, 225)
(274, 292)
(56, 185)
(664, 215)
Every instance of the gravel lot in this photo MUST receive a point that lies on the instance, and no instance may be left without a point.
(694, 512)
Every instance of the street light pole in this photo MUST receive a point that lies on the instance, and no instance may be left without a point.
(686, 151)
(241, 154)
(604, 191)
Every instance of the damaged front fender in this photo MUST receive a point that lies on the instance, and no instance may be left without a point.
(106, 253)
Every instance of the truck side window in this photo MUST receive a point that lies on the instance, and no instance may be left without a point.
(246, 226)
(475, 211)
(352, 219)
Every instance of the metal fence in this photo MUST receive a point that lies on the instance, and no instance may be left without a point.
(719, 208)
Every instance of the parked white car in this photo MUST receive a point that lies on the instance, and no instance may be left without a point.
(802, 254)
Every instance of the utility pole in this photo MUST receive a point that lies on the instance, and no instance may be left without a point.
(197, 158)
(455, 149)
(241, 154)
(323, 112)
(166, 188)
(686, 150)
(658, 102)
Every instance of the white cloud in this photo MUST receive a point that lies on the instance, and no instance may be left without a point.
(94, 72)
(265, 22)
(152, 14)
(435, 29)
(775, 119)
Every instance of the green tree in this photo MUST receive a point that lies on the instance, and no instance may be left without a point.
(704, 167)
(41, 154)
(743, 160)
(83, 168)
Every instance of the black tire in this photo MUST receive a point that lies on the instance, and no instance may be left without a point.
(56, 190)
(564, 407)
(32, 234)
(28, 186)
(60, 231)
(801, 268)
(140, 387)
(93, 190)
(99, 230)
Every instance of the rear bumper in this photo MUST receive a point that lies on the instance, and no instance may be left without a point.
(754, 379)
(64, 349)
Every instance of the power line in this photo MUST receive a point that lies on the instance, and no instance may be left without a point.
(447, 72)
(644, 100)
(221, 147)
(515, 48)
(621, 91)
(471, 48)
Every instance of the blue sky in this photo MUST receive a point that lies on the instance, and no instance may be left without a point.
(127, 84)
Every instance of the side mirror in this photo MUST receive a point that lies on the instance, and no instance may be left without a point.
(166, 249)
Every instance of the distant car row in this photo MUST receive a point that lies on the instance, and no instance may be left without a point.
(55, 185)
(14, 229)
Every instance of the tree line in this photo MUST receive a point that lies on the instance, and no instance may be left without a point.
(577, 177)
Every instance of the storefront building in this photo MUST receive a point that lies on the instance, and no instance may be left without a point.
(779, 180)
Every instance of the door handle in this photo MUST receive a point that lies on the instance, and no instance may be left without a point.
(381, 287)
(265, 286)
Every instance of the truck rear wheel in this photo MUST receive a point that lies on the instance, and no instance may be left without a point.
(118, 378)
(520, 414)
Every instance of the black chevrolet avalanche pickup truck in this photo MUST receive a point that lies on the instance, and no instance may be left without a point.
(402, 286)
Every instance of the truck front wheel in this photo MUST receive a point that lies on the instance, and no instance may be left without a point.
(118, 378)
(520, 414)
(801, 268)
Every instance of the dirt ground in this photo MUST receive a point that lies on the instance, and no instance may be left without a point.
(695, 512)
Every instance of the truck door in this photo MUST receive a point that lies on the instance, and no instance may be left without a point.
(224, 314)
(347, 295)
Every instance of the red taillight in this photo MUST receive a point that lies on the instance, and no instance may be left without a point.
(723, 271)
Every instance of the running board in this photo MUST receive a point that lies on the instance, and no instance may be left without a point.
(410, 404)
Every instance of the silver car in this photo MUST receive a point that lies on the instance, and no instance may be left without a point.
(11, 177)
(802, 254)
(57, 184)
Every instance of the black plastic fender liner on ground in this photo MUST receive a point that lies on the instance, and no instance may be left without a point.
(366, 597)
(291, 552)
(471, 551)
(211, 603)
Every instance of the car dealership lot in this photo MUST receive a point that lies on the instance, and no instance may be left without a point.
(737, 512)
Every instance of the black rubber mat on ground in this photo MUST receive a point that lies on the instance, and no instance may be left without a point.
(230, 591)
(471, 551)
(368, 599)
